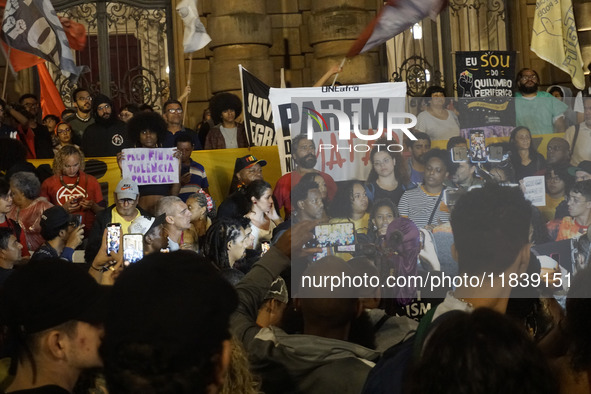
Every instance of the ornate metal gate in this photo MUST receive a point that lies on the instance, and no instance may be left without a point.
(423, 55)
(129, 52)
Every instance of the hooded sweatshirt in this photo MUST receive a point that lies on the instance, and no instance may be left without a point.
(106, 137)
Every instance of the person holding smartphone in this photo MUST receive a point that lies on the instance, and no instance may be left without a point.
(61, 233)
(73, 189)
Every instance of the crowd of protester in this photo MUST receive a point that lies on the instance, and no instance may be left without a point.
(216, 303)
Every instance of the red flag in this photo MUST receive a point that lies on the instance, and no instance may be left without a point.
(395, 17)
(51, 100)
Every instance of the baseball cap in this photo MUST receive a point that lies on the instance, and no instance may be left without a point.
(55, 216)
(31, 303)
(583, 166)
(127, 188)
(247, 162)
(143, 224)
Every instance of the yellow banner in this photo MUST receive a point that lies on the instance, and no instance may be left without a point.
(554, 38)
(218, 164)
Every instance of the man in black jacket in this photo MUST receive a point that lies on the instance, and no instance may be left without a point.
(107, 136)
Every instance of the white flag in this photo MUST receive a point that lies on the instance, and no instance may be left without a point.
(195, 36)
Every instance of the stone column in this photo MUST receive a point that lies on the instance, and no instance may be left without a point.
(582, 10)
(241, 34)
(334, 25)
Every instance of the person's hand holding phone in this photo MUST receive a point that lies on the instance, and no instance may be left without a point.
(185, 178)
(72, 204)
(103, 258)
(76, 237)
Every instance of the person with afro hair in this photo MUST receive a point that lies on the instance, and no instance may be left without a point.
(225, 108)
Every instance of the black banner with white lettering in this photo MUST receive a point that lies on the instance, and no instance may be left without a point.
(258, 112)
(485, 82)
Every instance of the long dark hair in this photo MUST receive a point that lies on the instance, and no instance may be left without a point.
(400, 168)
(343, 207)
(533, 153)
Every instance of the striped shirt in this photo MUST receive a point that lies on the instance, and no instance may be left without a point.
(418, 204)
(198, 181)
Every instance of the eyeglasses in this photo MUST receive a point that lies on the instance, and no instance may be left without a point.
(87, 98)
(528, 77)
(31, 105)
(553, 179)
(63, 131)
(175, 110)
(103, 107)
(124, 201)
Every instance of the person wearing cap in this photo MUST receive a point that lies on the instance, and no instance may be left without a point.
(579, 136)
(227, 134)
(62, 235)
(167, 329)
(124, 211)
(246, 170)
(54, 332)
(152, 228)
(581, 172)
(108, 135)
(178, 219)
(304, 158)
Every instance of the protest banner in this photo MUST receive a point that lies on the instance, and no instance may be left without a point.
(319, 112)
(485, 86)
(150, 166)
(258, 114)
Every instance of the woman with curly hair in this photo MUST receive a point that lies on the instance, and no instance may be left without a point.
(352, 206)
(148, 130)
(227, 134)
(70, 187)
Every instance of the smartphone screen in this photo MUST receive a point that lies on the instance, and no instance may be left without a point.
(78, 220)
(113, 236)
(133, 248)
(338, 235)
(477, 146)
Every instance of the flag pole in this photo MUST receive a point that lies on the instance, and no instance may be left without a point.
(188, 84)
(337, 74)
(6, 75)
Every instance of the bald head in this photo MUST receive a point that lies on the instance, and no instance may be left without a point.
(558, 151)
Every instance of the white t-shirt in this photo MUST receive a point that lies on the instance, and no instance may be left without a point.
(230, 137)
(582, 149)
(579, 102)
(438, 129)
